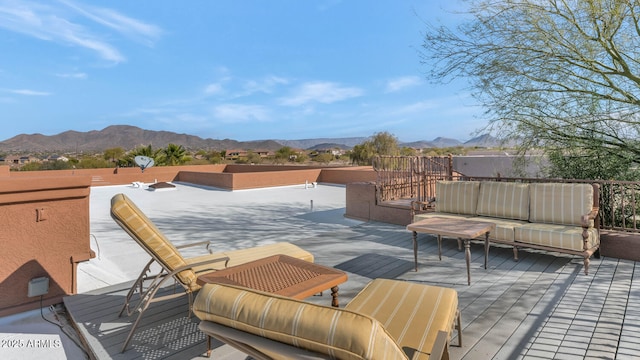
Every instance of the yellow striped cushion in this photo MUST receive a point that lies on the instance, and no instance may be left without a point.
(504, 230)
(429, 215)
(336, 332)
(560, 203)
(504, 200)
(412, 313)
(557, 236)
(138, 224)
(457, 197)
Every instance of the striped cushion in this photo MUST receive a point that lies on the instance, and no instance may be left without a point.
(339, 333)
(558, 236)
(457, 197)
(241, 256)
(560, 203)
(137, 223)
(429, 215)
(412, 313)
(505, 228)
(504, 200)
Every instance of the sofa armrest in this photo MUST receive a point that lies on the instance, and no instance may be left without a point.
(419, 206)
(588, 218)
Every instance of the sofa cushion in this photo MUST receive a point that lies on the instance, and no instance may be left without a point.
(412, 313)
(339, 333)
(565, 237)
(457, 197)
(507, 200)
(429, 215)
(556, 203)
(505, 228)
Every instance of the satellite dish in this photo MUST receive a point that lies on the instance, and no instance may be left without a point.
(144, 162)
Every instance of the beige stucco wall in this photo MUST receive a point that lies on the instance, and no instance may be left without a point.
(45, 232)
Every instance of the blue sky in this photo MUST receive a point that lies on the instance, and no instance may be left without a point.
(236, 69)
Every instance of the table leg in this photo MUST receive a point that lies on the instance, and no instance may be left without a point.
(415, 249)
(467, 256)
(440, 247)
(486, 249)
(334, 297)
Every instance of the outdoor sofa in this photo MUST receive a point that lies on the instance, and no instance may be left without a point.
(556, 217)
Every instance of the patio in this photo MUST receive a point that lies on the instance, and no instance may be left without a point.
(540, 307)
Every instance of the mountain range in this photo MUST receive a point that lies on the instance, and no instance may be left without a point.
(129, 137)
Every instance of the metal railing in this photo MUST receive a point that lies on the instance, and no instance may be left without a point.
(409, 177)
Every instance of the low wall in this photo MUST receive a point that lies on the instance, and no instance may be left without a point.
(361, 205)
(45, 233)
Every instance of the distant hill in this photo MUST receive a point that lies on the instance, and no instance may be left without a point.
(125, 136)
(130, 137)
(312, 143)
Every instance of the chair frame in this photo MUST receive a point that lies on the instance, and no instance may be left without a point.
(147, 295)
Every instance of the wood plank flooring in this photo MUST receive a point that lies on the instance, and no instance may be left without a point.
(540, 307)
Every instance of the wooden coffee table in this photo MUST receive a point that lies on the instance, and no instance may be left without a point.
(464, 229)
(281, 275)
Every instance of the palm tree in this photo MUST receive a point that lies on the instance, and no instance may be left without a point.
(174, 155)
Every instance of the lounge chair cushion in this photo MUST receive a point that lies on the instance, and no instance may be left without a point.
(508, 200)
(241, 256)
(402, 308)
(339, 333)
(457, 197)
(555, 203)
(137, 223)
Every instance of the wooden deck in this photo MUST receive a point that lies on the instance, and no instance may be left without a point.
(541, 307)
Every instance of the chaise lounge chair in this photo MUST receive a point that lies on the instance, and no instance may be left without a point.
(387, 320)
(172, 264)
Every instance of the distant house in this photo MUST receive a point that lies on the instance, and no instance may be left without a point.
(235, 154)
(15, 161)
(57, 158)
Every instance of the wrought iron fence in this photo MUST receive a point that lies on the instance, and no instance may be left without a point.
(409, 177)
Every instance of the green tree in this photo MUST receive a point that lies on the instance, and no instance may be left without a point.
(148, 151)
(324, 158)
(174, 155)
(283, 155)
(382, 143)
(564, 75)
(113, 154)
(385, 143)
(362, 154)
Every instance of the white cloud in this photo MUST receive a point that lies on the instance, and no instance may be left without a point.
(73, 75)
(237, 113)
(53, 23)
(28, 92)
(321, 92)
(401, 83)
(265, 85)
(132, 28)
(213, 89)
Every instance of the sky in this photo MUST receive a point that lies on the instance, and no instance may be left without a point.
(228, 69)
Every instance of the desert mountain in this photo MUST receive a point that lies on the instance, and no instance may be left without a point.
(130, 137)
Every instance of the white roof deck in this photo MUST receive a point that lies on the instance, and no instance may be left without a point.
(541, 307)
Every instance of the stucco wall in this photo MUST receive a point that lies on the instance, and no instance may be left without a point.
(361, 205)
(45, 232)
